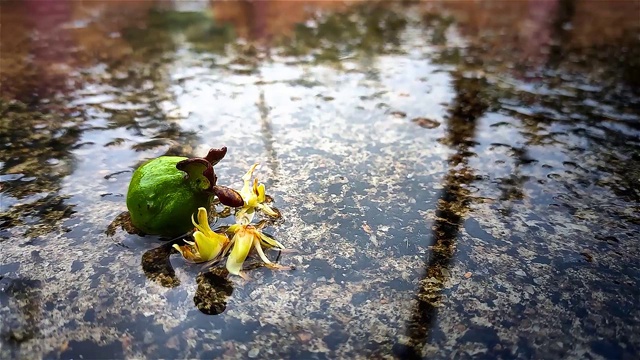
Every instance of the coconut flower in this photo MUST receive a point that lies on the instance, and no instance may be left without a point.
(254, 197)
(246, 237)
(207, 244)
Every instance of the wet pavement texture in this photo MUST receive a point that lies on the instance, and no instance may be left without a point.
(457, 179)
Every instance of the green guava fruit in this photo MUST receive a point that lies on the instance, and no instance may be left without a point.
(165, 192)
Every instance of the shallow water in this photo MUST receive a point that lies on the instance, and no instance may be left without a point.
(457, 180)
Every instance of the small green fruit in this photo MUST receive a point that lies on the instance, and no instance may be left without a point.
(165, 192)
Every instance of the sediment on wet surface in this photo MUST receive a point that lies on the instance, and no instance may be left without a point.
(450, 184)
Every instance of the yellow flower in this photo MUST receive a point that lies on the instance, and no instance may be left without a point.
(246, 237)
(254, 198)
(207, 244)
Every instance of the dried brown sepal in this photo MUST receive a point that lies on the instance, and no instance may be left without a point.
(211, 176)
(215, 155)
(200, 172)
(228, 196)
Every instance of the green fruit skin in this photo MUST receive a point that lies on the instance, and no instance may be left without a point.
(161, 201)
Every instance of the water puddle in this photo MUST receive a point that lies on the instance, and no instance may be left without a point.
(456, 180)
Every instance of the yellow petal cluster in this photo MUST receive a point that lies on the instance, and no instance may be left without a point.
(254, 198)
(207, 244)
(244, 238)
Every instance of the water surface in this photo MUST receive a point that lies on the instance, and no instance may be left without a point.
(457, 179)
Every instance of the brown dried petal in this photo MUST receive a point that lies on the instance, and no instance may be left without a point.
(215, 155)
(228, 196)
(199, 169)
(211, 176)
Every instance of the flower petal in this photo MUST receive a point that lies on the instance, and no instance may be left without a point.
(232, 229)
(268, 210)
(209, 247)
(246, 191)
(247, 177)
(256, 244)
(244, 216)
(261, 193)
(186, 252)
(269, 241)
(175, 246)
(203, 222)
(228, 247)
(241, 248)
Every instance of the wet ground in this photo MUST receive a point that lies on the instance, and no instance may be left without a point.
(458, 180)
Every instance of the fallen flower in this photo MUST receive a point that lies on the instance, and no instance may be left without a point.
(254, 198)
(244, 238)
(207, 244)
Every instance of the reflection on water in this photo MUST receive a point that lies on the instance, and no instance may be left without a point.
(156, 264)
(212, 293)
(213, 287)
(21, 310)
(458, 178)
(452, 208)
